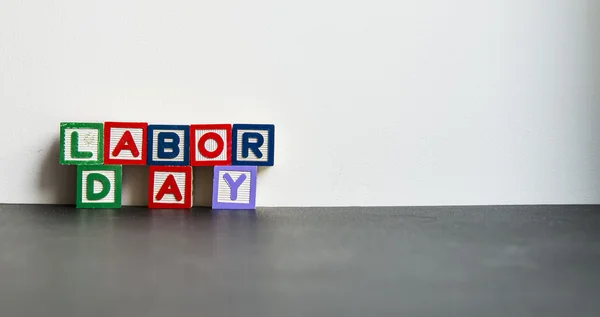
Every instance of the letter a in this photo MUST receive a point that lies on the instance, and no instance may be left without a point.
(126, 143)
(169, 187)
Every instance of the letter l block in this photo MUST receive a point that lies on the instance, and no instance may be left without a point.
(99, 186)
(81, 143)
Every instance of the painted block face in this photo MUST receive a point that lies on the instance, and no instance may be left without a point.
(125, 143)
(210, 144)
(170, 187)
(99, 186)
(234, 187)
(253, 144)
(81, 143)
(169, 145)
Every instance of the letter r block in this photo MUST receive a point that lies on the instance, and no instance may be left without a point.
(210, 144)
(125, 143)
(253, 144)
(169, 145)
(234, 187)
(81, 143)
(170, 187)
(99, 186)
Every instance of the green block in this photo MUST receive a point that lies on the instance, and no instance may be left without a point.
(99, 186)
(81, 143)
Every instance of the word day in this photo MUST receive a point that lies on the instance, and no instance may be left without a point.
(101, 149)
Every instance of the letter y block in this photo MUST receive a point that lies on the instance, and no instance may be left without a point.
(234, 187)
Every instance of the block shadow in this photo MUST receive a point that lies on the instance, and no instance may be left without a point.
(203, 185)
(58, 181)
(135, 185)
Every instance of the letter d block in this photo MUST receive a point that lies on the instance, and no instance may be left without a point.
(99, 186)
(234, 187)
(253, 144)
(170, 187)
(169, 145)
(81, 143)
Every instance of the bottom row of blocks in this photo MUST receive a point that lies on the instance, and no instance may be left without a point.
(100, 186)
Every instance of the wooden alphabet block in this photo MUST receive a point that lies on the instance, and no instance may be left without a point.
(170, 187)
(99, 186)
(234, 187)
(253, 144)
(81, 143)
(169, 145)
(210, 144)
(125, 143)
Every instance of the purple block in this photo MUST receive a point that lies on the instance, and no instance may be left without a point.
(234, 187)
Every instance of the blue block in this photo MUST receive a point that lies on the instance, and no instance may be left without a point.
(253, 144)
(169, 145)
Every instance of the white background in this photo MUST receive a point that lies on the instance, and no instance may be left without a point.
(380, 102)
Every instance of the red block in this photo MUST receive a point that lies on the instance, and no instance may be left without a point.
(125, 143)
(210, 144)
(170, 187)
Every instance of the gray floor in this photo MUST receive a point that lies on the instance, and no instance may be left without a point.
(460, 261)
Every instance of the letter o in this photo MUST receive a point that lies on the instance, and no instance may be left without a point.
(202, 142)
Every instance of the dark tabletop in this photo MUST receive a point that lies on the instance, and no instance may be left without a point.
(459, 261)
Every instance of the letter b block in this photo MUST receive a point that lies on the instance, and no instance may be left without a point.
(169, 145)
(253, 144)
(234, 187)
(81, 143)
(99, 186)
(125, 143)
(170, 187)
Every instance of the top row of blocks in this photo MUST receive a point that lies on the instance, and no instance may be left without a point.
(137, 143)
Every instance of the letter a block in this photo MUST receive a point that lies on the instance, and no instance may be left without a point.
(253, 144)
(125, 143)
(210, 144)
(234, 187)
(99, 186)
(81, 143)
(169, 145)
(170, 187)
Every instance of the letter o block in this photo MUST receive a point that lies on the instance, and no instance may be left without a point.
(99, 186)
(169, 145)
(210, 144)
(81, 143)
(125, 143)
(170, 187)
(253, 144)
(234, 187)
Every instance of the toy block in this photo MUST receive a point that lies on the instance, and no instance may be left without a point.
(170, 187)
(234, 187)
(81, 143)
(253, 144)
(169, 145)
(99, 186)
(210, 144)
(125, 143)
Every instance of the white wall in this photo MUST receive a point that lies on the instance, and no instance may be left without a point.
(379, 102)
